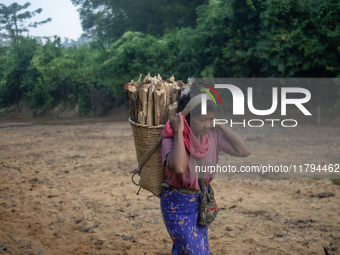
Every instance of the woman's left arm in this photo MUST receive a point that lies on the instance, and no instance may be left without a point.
(238, 147)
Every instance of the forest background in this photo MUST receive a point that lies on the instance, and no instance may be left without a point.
(199, 38)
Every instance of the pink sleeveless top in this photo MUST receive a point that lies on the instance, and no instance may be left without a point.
(189, 180)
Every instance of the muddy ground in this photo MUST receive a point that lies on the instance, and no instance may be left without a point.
(66, 189)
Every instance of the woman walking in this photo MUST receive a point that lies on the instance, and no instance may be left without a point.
(185, 138)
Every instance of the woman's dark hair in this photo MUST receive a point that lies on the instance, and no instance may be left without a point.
(184, 100)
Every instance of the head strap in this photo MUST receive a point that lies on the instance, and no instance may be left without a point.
(195, 101)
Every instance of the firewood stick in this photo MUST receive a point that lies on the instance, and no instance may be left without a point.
(126, 86)
(166, 86)
(133, 102)
(153, 101)
(176, 94)
(180, 83)
(167, 89)
(171, 93)
(137, 84)
(172, 110)
(143, 100)
(151, 110)
(141, 118)
(147, 78)
(160, 104)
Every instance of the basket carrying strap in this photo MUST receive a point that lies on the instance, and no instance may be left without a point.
(200, 175)
(147, 155)
(195, 101)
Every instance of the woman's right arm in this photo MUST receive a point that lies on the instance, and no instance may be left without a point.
(177, 158)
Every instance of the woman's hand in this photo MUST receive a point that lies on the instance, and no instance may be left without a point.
(177, 123)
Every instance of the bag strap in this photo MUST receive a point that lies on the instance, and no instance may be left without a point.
(200, 175)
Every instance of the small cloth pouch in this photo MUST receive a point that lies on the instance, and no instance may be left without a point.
(208, 208)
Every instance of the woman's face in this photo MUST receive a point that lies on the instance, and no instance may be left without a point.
(201, 124)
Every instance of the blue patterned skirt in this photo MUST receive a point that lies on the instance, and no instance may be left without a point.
(180, 213)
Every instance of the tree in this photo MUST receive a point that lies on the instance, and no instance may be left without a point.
(15, 61)
(13, 21)
(109, 19)
(270, 38)
(17, 57)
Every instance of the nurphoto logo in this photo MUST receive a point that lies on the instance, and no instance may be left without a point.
(239, 105)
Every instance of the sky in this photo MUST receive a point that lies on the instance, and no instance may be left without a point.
(65, 18)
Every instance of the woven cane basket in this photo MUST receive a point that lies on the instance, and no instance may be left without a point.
(148, 143)
(152, 172)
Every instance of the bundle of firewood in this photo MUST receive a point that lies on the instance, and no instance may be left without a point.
(153, 101)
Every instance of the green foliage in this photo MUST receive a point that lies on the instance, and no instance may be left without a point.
(271, 38)
(109, 20)
(16, 58)
(243, 38)
(15, 61)
(14, 22)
